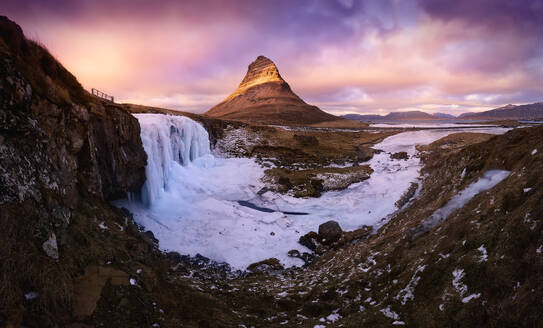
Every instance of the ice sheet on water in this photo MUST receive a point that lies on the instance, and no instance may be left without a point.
(191, 197)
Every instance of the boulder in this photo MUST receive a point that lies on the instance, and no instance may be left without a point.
(400, 155)
(329, 232)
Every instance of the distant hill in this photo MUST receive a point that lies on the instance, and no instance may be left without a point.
(407, 116)
(443, 115)
(398, 116)
(265, 97)
(358, 117)
(509, 112)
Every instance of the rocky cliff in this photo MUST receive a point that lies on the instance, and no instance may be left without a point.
(59, 147)
(264, 96)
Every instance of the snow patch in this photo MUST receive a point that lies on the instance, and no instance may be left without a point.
(487, 181)
(484, 255)
(470, 297)
(31, 295)
(459, 286)
(408, 292)
(387, 312)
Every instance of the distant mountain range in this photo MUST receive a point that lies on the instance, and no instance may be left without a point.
(399, 116)
(509, 112)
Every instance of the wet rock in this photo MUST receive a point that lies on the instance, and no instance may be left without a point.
(329, 232)
(306, 257)
(400, 155)
(270, 265)
(309, 240)
(294, 253)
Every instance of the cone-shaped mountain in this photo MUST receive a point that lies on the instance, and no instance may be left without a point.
(263, 96)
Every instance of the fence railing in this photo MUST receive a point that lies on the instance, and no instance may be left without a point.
(101, 94)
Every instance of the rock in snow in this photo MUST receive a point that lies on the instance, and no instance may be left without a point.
(330, 232)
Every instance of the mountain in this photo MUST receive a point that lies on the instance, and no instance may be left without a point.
(411, 115)
(444, 115)
(263, 96)
(510, 112)
(358, 117)
(398, 116)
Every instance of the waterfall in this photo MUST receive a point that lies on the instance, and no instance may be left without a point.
(168, 140)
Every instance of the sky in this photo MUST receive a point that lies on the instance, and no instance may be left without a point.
(345, 56)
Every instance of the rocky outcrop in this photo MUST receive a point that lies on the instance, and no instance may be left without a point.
(58, 144)
(263, 96)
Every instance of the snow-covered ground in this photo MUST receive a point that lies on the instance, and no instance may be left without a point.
(193, 206)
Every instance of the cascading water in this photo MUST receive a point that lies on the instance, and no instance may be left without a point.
(168, 140)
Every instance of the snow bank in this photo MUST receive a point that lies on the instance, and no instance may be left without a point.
(487, 181)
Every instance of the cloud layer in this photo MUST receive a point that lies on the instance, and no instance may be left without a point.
(344, 56)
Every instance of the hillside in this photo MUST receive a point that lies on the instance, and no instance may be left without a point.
(263, 96)
(509, 112)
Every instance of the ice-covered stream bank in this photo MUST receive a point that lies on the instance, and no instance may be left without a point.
(191, 197)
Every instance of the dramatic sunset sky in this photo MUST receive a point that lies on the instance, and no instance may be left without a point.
(341, 55)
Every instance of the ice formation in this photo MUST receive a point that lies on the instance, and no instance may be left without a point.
(168, 140)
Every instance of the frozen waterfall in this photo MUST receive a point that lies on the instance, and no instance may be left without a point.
(168, 140)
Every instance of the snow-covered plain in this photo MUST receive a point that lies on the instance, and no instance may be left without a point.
(190, 200)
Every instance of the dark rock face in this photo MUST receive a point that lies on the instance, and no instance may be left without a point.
(330, 232)
(58, 145)
(121, 163)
